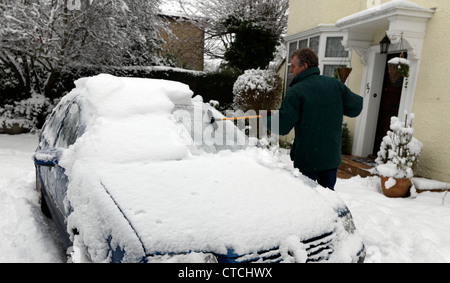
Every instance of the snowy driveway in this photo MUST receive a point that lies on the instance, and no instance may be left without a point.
(394, 230)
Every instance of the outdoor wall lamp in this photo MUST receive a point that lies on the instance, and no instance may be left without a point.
(384, 45)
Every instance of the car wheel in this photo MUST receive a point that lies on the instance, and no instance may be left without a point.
(44, 206)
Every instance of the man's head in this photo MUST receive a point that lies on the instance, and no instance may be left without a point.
(303, 59)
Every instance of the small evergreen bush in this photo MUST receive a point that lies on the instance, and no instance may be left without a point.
(346, 140)
(399, 150)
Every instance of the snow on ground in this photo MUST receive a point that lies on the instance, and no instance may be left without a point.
(26, 236)
(413, 229)
(406, 230)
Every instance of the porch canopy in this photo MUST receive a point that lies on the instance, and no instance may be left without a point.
(398, 18)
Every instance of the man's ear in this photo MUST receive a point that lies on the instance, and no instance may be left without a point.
(306, 65)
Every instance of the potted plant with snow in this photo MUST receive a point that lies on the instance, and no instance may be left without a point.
(398, 67)
(397, 157)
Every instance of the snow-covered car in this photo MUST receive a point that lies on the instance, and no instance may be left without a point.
(133, 170)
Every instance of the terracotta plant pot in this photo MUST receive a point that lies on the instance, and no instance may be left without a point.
(398, 67)
(400, 189)
(344, 72)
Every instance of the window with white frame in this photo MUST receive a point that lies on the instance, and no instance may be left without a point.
(334, 47)
(326, 41)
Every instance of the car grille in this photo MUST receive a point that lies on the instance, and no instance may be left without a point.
(318, 249)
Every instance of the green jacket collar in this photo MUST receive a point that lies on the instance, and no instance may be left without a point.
(306, 73)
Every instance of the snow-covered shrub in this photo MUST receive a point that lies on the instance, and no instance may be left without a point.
(257, 90)
(27, 114)
(399, 150)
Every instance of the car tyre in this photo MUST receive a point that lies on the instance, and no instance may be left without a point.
(44, 207)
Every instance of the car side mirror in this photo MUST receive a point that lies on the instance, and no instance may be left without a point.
(47, 157)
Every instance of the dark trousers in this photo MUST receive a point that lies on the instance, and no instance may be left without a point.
(326, 179)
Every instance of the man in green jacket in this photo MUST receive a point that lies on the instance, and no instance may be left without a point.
(314, 106)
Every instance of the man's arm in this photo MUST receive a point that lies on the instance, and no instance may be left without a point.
(287, 116)
(353, 103)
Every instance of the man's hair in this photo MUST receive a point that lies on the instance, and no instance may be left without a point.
(306, 55)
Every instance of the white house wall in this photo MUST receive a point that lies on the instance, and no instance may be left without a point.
(432, 96)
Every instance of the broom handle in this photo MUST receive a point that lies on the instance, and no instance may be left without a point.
(238, 118)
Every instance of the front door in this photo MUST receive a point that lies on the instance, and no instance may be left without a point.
(389, 103)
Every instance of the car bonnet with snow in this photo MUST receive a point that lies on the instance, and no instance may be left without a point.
(150, 179)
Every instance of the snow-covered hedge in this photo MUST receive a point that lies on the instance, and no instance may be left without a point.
(25, 115)
(257, 90)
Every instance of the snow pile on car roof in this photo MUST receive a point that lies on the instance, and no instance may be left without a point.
(130, 96)
(130, 119)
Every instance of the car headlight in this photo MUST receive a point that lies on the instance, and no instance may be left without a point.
(347, 221)
(352, 242)
(192, 257)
